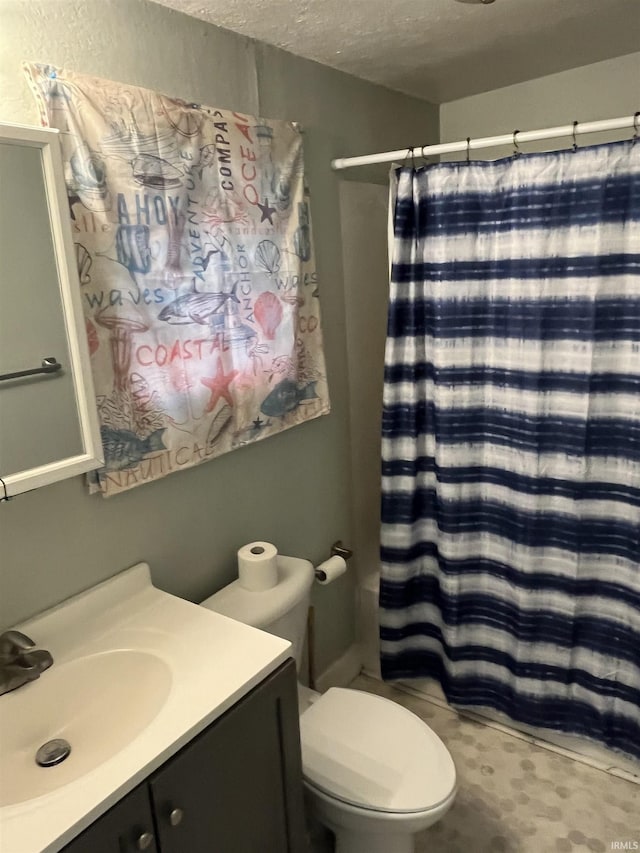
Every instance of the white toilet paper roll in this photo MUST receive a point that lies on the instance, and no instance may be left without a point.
(258, 566)
(331, 569)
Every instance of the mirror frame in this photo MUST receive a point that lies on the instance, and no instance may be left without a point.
(48, 141)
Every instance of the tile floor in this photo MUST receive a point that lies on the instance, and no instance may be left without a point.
(516, 797)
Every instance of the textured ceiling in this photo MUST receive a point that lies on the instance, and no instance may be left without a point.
(439, 50)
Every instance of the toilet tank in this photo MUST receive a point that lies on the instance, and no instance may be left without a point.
(281, 610)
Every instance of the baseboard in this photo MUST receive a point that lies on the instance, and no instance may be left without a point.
(342, 671)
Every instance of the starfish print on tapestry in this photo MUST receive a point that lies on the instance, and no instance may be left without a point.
(267, 211)
(219, 386)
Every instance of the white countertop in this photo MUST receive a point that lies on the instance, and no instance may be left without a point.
(212, 662)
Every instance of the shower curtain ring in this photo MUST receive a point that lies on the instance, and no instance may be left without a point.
(468, 149)
(575, 144)
(516, 147)
(413, 159)
(636, 116)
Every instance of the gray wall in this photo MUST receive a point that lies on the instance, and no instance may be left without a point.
(603, 90)
(366, 275)
(292, 489)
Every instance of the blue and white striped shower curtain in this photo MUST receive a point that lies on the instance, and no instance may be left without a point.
(511, 438)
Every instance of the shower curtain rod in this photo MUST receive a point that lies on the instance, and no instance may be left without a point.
(490, 141)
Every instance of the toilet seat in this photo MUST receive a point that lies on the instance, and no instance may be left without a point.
(373, 754)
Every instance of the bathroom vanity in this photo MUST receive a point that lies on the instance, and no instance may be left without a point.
(236, 787)
(183, 728)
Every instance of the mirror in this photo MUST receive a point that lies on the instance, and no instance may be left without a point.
(48, 422)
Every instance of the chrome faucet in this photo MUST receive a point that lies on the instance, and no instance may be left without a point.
(20, 660)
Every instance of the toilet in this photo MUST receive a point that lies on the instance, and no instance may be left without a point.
(374, 773)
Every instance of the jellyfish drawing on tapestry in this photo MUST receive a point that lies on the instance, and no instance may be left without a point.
(133, 424)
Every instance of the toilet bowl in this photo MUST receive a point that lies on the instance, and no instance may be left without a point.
(374, 773)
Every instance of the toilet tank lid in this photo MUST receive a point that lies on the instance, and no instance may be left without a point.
(260, 609)
(370, 752)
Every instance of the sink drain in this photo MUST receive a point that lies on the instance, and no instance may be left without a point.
(53, 752)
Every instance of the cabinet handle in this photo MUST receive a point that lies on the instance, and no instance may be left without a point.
(144, 841)
(175, 817)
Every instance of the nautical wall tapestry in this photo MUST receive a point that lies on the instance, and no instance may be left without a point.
(193, 240)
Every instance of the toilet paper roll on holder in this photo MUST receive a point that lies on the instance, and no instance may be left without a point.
(337, 550)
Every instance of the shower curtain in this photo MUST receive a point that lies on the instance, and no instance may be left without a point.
(510, 537)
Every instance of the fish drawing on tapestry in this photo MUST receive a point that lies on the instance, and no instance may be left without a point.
(286, 397)
(193, 240)
(202, 308)
(124, 449)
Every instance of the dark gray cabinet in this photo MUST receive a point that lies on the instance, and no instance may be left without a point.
(235, 788)
(126, 828)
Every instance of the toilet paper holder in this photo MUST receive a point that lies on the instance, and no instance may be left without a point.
(336, 550)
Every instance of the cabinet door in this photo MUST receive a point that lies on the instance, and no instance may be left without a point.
(237, 788)
(126, 828)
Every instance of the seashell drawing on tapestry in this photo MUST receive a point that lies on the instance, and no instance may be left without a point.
(268, 313)
(268, 256)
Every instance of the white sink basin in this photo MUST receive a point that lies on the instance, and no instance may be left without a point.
(137, 673)
(99, 704)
